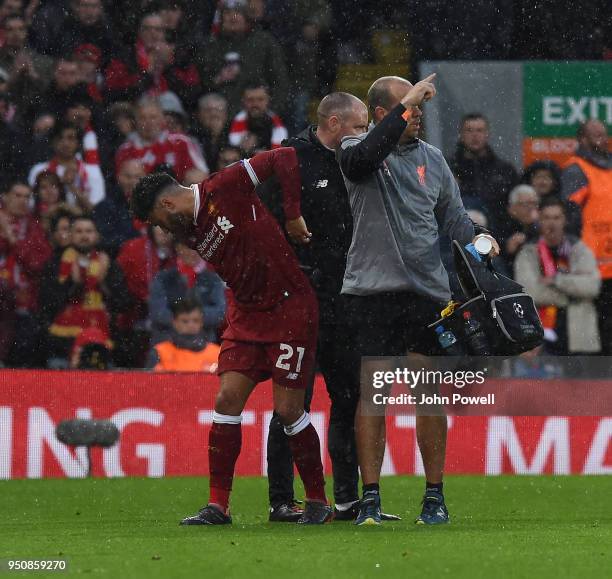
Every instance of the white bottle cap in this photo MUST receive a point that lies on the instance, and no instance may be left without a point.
(483, 245)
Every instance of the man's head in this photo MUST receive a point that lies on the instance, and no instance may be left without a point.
(16, 199)
(384, 95)
(544, 177)
(10, 7)
(174, 113)
(523, 204)
(59, 224)
(65, 140)
(66, 74)
(228, 156)
(15, 32)
(339, 115)
(593, 136)
(234, 17)
(256, 100)
(84, 234)
(187, 317)
(88, 12)
(474, 133)
(152, 31)
(79, 109)
(159, 200)
(123, 117)
(130, 172)
(552, 220)
(212, 111)
(48, 189)
(150, 121)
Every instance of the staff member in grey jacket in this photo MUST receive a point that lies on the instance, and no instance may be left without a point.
(402, 193)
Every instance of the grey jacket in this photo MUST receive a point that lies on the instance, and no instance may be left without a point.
(576, 291)
(400, 197)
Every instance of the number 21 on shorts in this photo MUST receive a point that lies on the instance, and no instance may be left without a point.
(284, 361)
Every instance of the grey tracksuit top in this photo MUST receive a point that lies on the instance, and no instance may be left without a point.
(401, 196)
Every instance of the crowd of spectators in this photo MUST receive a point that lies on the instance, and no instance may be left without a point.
(96, 94)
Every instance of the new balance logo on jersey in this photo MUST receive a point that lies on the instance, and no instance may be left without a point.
(321, 183)
(224, 224)
(292, 376)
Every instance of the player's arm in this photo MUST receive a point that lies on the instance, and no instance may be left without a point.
(283, 164)
(360, 158)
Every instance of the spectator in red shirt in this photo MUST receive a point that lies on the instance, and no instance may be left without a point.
(140, 259)
(155, 146)
(23, 253)
(256, 127)
(49, 193)
(86, 24)
(82, 290)
(84, 182)
(150, 67)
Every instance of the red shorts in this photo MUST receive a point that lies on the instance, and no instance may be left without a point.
(279, 343)
(289, 364)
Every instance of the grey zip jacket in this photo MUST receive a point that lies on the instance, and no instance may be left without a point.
(401, 197)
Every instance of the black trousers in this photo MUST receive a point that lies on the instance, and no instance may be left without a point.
(337, 361)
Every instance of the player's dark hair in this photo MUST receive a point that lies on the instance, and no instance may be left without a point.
(146, 192)
(185, 305)
(474, 117)
(552, 201)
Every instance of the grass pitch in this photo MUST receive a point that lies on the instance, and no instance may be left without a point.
(502, 527)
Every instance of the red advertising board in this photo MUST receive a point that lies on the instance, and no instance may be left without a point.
(164, 421)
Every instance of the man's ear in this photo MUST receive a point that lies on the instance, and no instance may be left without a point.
(379, 114)
(167, 203)
(333, 123)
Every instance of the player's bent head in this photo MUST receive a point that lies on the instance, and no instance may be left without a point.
(147, 192)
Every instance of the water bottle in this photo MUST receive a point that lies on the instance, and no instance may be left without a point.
(448, 342)
(475, 338)
(481, 248)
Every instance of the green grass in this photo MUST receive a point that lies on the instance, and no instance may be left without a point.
(536, 527)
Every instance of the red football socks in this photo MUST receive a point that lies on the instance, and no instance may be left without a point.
(306, 450)
(224, 442)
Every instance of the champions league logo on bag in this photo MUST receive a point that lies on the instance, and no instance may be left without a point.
(518, 309)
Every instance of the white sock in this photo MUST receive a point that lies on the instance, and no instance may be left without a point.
(345, 506)
(300, 424)
(226, 418)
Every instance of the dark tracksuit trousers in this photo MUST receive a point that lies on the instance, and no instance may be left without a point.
(336, 361)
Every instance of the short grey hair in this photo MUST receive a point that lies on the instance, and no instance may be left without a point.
(519, 191)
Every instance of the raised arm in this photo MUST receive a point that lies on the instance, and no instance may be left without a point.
(360, 158)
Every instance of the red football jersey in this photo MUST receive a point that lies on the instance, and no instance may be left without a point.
(172, 149)
(237, 235)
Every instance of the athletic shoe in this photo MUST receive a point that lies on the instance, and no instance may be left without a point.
(208, 515)
(286, 513)
(352, 513)
(369, 511)
(349, 514)
(434, 510)
(316, 514)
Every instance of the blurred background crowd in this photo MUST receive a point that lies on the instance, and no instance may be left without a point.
(95, 94)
